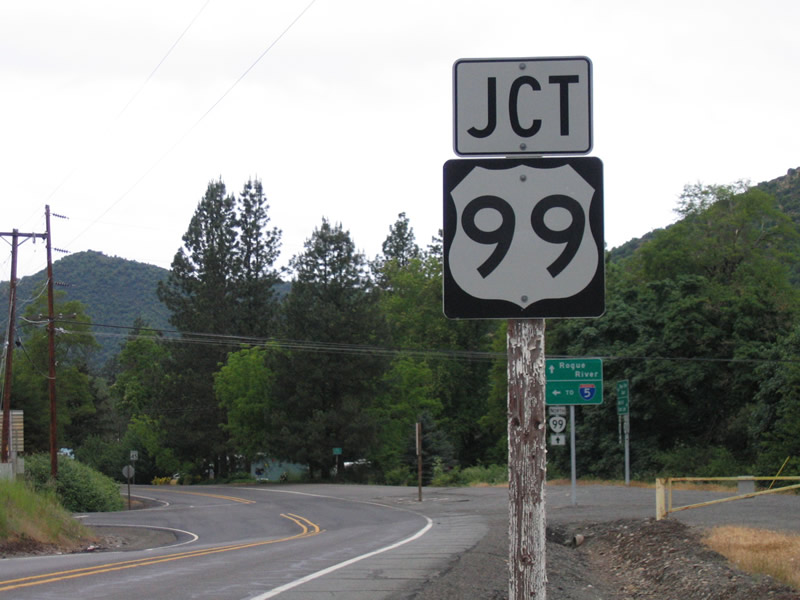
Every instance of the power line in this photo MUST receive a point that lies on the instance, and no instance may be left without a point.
(192, 128)
(214, 339)
(153, 72)
(133, 97)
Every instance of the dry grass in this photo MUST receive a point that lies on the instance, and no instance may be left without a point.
(759, 551)
(29, 517)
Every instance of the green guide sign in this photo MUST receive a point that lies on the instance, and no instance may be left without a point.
(574, 381)
(623, 397)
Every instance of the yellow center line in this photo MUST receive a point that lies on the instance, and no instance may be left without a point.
(309, 529)
(220, 496)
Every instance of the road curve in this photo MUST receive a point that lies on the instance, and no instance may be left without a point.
(309, 542)
(231, 542)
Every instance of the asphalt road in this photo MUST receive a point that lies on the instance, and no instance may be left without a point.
(326, 541)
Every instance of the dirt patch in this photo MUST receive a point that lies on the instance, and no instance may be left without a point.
(28, 547)
(105, 539)
(132, 538)
(620, 560)
(667, 559)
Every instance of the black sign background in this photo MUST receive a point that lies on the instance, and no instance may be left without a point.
(589, 302)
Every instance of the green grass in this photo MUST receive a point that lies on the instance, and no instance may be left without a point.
(481, 475)
(29, 516)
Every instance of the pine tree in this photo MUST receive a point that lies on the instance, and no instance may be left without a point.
(327, 388)
(221, 283)
(255, 276)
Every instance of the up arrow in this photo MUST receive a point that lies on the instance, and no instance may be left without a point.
(552, 368)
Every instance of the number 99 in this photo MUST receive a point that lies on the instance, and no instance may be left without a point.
(503, 235)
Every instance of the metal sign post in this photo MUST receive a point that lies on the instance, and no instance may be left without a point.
(128, 472)
(572, 465)
(623, 410)
(419, 461)
(570, 382)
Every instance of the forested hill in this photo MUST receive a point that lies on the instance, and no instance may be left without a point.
(785, 189)
(116, 291)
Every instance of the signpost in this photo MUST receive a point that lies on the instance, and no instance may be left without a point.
(418, 436)
(571, 382)
(523, 240)
(337, 453)
(128, 472)
(623, 410)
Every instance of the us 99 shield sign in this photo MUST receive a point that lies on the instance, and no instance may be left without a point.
(523, 238)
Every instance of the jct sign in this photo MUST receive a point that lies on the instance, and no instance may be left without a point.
(522, 106)
(523, 238)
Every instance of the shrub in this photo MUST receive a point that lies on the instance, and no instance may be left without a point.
(238, 477)
(489, 474)
(481, 474)
(79, 488)
(399, 476)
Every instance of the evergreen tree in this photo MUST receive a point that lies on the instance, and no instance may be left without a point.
(255, 276)
(328, 387)
(221, 283)
(399, 248)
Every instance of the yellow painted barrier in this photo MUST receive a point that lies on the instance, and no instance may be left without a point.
(664, 492)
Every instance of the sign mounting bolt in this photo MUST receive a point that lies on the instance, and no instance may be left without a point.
(522, 66)
(523, 146)
(523, 177)
(524, 298)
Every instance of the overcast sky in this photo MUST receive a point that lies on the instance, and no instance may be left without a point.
(118, 115)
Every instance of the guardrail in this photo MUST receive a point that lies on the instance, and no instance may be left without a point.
(664, 492)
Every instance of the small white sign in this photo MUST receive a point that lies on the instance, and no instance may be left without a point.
(558, 424)
(557, 411)
(558, 439)
(505, 106)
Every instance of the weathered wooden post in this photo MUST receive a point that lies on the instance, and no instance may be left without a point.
(526, 459)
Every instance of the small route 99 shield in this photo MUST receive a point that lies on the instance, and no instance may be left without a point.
(523, 238)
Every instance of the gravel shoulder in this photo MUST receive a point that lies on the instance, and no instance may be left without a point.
(618, 560)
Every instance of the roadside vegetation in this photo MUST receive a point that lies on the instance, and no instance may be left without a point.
(759, 551)
(335, 360)
(78, 489)
(32, 519)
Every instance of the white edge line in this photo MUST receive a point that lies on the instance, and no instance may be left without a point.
(274, 592)
(194, 536)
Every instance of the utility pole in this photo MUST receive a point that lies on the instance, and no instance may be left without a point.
(12, 301)
(51, 345)
(15, 235)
